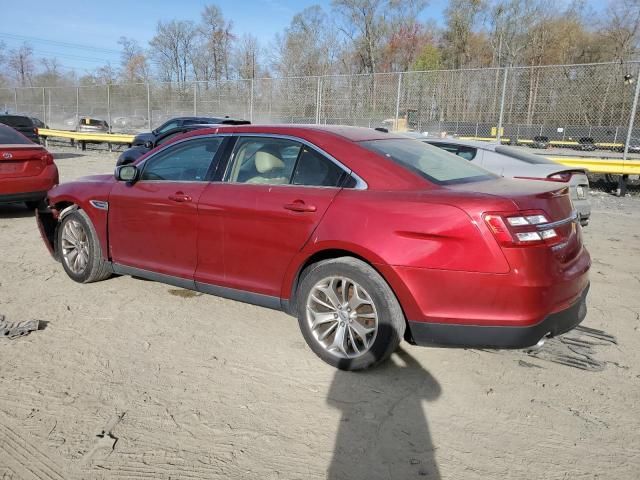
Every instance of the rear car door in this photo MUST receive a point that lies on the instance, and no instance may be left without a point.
(153, 222)
(273, 194)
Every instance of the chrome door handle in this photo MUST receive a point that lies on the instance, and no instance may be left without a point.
(300, 206)
(179, 197)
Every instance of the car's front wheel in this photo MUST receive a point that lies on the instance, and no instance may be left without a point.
(348, 314)
(79, 249)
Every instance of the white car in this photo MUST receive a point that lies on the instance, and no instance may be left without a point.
(517, 163)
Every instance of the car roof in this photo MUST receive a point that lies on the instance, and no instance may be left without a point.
(354, 134)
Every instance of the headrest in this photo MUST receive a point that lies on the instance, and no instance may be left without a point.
(265, 162)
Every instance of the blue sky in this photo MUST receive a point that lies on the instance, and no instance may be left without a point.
(99, 23)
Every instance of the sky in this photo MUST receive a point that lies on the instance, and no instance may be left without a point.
(84, 33)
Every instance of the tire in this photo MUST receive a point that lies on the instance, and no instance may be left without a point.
(374, 307)
(76, 233)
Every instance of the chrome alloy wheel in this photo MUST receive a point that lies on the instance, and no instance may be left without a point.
(342, 317)
(75, 246)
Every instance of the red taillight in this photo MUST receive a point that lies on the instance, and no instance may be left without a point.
(35, 130)
(522, 228)
(47, 158)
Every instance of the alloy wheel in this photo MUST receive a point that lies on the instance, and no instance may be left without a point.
(75, 246)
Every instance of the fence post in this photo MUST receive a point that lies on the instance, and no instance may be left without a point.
(149, 105)
(622, 182)
(195, 99)
(318, 89)
(398, 100)
(44, 104)
(15, 97)
(109, 105)
(77, 107)
(251, 101)
(502, 96)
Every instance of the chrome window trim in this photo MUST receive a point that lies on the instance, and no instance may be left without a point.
(572, 218)
(360, 183)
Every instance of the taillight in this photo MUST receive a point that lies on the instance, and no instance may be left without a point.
(47, 158)
(555, 177)
(35, 130)
(521, 228)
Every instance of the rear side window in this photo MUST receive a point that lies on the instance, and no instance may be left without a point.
(468, 153)
(314, 170)
(430, 162)
(16, 121)
(9, 136)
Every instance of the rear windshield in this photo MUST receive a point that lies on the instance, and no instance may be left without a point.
(523, 156)
(8, 136)
(16, 121)
(432, 163)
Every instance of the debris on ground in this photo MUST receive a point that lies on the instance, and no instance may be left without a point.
(19, 329)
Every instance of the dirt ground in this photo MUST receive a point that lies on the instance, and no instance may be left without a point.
(135, 379)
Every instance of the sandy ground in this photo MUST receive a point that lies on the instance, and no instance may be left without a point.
(135, 379)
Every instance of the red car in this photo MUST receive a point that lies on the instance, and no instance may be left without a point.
(27, 170)
(365, 236)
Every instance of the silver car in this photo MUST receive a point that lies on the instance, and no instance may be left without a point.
(517, 163)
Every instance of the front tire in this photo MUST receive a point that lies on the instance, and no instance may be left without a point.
(348, 314)
(79, 249)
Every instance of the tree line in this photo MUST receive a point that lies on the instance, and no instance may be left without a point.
(357, 36)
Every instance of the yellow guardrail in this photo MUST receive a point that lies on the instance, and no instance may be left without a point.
(601, 165)
(86, 136)
(526, 141)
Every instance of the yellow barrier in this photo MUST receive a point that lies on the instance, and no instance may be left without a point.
(86, 137)
(601, 165)
(524, 141)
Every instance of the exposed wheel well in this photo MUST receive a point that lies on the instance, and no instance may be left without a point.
(327, 255)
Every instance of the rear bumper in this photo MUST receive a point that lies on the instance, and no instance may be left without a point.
(24, 189)
(479, 336)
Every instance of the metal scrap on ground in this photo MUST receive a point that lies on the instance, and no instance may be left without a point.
(18, 329)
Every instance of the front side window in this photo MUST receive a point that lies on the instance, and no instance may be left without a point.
(166, 127)
(168, 138)
(187, 161)
(430, 162)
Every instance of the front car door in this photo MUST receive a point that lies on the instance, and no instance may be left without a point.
(273, 194)
(153, 222)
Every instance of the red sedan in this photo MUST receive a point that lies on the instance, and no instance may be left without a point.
(27, 170)
(365, 236)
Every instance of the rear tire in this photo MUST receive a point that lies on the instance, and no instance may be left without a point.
(79, 249)
(358, 323)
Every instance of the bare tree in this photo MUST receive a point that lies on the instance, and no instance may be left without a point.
(621, 30)
(20, 62)
(247, 57)
(212, 62)
(133, 61)
(171, 47)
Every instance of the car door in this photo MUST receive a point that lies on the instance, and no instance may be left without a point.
(153, 222)
(271, 198)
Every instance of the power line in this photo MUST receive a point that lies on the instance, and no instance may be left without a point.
(59, 43)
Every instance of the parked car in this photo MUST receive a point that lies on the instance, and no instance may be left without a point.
(27, 170)
(92, 125)
(586, 144)
(517, 163)
(634, 146)
(366, 237)
(130, 122)
(38, 123)
(22, 124)
(540, 141)
(176, 122)
(132, 154)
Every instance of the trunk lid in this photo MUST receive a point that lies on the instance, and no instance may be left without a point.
(22, 160)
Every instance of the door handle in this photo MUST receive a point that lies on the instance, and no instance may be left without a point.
(300, 206)
(179, 197)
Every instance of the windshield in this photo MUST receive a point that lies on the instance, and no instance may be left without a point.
(523, 156)
(432, 163)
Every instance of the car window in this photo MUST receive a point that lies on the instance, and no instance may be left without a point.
(313, 169)
(8, 136)
(428, 161)
(468, 153)
(263, 160)
(168, 126)
(188, 161)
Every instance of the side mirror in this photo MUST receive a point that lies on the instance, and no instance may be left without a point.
(126, 173)
(148, 144)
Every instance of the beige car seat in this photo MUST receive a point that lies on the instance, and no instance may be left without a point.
(270, 167)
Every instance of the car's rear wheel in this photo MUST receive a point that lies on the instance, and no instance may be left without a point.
(348, 314)
(79, 249)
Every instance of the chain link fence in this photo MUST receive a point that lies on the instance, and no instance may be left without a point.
(562, 102)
